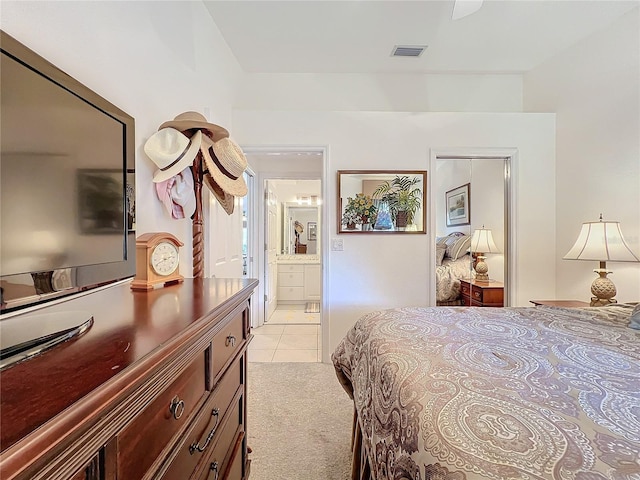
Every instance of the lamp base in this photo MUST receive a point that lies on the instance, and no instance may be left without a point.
(603, 289)
(482, 269)
(601, 302)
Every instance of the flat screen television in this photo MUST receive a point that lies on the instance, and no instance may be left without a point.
(66, 183)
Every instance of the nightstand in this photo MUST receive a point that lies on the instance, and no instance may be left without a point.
(561, 303)
(482, 294)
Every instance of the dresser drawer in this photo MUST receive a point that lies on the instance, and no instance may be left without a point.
(234, 465)
(290, 293)
(154, 427)
(290, 268)
(476, 293)
(223, 464)
(482, 294)
(488, 297)
(201, 439)
(465, 288)
(227, 342)
(294, 279)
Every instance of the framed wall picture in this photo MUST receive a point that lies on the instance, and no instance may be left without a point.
(311, 231)
(458, 202)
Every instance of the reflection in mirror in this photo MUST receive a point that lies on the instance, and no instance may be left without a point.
(381, 201)
(470, 206)
(300, 234)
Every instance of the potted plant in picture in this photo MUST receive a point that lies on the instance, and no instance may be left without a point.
(350, 218)
(359, 210)
(367, 210)
(403, 197)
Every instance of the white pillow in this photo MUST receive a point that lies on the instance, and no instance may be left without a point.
(457, 246)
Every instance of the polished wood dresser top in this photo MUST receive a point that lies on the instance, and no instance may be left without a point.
(139, 341)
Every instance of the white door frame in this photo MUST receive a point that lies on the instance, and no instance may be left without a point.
(259, 222)
(251, 234)
(511, 182)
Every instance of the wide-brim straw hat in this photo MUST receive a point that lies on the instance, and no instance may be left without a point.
(194, 120)
(225, 199)
(171, 151)
(226, 164)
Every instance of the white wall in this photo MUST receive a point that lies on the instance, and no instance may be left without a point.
(382, 271)
(154, 60)
(382, 92)
(594, 87)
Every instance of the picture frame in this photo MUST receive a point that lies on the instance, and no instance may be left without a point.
(312, 231)
(398, 198)
(458, 205)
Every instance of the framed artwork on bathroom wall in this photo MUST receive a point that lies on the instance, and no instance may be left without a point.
(311, 231)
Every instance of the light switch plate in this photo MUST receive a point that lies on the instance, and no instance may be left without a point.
(337, 245)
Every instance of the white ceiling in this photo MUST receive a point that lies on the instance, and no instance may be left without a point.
(343, 36)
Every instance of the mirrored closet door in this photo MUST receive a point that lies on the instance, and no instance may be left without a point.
(471, 212)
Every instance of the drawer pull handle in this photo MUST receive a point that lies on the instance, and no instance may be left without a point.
(177, 407)
(477, 294)
(194, 447)
(214, 468)
(231, 340)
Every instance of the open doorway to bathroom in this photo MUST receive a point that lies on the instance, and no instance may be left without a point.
(289, 209)
(295, 222)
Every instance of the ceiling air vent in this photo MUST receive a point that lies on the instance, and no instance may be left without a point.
(408, 50)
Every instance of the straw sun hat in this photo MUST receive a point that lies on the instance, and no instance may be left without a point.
(171, 151)
(226, 163)
(225, 199)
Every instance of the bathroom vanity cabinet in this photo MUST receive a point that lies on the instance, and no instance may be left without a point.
(298, 282)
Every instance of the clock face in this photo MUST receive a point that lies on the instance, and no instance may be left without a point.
(164, 258)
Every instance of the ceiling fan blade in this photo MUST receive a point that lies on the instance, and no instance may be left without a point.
(462, 8)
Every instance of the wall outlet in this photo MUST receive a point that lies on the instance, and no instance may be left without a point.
(337, 244)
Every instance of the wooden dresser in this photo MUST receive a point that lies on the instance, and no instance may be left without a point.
(482, 294)
(155, 389)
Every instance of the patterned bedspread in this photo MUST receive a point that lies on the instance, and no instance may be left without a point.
(448, 277)
(454, 393)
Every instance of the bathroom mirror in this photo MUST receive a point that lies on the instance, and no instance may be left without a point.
(300, 229)
(381, 201)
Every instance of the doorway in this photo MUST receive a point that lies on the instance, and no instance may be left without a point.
(288, 225)
(293, 228)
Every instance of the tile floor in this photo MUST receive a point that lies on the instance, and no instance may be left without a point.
(290, 335)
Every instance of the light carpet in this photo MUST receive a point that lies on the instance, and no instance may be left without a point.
(299, 422)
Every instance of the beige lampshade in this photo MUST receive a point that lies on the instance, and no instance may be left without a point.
(601, 241)
(482, 241)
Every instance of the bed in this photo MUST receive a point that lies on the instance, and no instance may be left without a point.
(453, 262)
(458, 393)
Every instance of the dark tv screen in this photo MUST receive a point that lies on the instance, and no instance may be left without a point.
(66, 183)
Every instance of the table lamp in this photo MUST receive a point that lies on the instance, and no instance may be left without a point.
(482, 243)
(602, 242)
